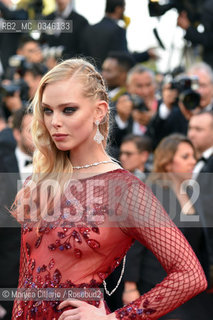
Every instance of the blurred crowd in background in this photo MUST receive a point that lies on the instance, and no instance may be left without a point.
(161, 126)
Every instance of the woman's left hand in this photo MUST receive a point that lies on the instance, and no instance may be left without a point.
(82, 311)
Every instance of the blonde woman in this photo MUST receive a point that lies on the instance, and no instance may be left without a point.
(80, 211)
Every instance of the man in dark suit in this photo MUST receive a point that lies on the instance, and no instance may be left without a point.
(71, 41)
(107, 35)
(200, 132)
(13, 155)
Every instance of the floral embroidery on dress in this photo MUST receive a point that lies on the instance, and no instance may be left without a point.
(68, 235)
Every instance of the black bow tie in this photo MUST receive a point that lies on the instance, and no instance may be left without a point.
(202, 159)
(27, 162)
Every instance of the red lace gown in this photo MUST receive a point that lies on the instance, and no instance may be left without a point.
(115, 208)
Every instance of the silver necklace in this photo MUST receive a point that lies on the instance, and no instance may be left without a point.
(119, 280)
(92, 164)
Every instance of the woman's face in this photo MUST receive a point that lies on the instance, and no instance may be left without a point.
(68, 116)
(183, 162)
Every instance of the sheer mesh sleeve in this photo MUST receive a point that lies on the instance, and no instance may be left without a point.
(148, 223)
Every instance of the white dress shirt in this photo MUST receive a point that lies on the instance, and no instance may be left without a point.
(24, 170)
(200, 164)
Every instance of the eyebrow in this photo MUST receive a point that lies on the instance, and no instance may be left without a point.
(43, 104)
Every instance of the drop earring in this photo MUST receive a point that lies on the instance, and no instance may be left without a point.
(98, 136)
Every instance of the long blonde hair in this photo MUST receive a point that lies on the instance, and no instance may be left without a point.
(48, 161)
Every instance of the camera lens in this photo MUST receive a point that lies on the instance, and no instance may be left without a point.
(190, 99)
(138, 103)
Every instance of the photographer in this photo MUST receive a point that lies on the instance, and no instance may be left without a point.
(134, 110)
(28, 51)
(17, 91)
(141, 81)
(203, 38)
(179, 103)
(32, 76)
(205, 84)
(11, 100)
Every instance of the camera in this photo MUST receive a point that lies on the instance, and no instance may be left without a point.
(9, 89)
(138, 103)
(193, 8)
(186, 87)
(20, 64)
